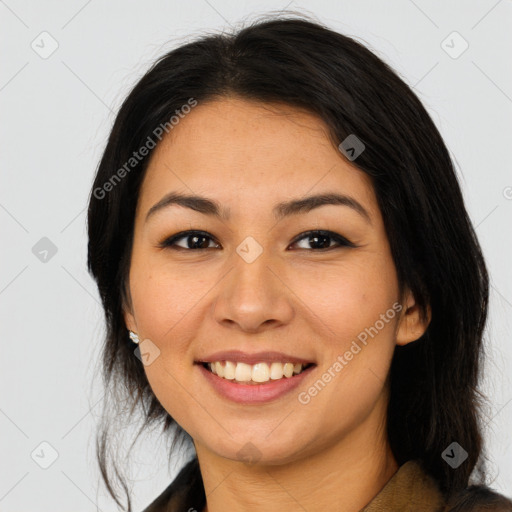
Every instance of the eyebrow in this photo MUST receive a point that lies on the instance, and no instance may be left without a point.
(284, 209)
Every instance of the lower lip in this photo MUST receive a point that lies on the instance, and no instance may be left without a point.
(254, 393)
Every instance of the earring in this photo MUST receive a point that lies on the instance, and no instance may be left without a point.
(134, 337)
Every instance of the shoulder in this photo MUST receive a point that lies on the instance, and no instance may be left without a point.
(421, 491)
(478, 498)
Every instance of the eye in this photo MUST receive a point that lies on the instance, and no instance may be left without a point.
(200, 240)
(194, 240)
(323, 238)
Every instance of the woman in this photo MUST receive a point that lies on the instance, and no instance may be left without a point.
(277, 229)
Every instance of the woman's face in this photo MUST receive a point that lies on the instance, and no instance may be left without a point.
(256, 283)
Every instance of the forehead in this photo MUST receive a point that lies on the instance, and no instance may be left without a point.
(238, 151)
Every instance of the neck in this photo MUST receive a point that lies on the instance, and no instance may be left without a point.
(345, 476)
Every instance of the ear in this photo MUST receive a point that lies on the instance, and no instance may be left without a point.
(127, 307)
(129, 320)
(410, 325)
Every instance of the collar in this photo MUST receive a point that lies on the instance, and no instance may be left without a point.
(410, 489)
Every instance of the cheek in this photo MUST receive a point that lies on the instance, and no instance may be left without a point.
(164, 303)
(347, 299)
(353, 309)
(163, 298)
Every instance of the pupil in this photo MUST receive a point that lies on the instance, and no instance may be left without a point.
(315, 239)
(196, 245)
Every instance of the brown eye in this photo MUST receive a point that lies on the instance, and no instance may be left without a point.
(194, 240)
(322, 240)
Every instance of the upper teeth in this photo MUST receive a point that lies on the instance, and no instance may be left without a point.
(260, 372)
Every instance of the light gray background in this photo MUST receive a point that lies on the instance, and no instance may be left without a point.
(56, 113)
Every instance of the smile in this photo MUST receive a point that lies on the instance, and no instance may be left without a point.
(249, 392)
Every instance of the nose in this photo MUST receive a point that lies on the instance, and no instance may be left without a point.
(254, 296)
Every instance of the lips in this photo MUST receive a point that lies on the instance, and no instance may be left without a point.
(256, 394)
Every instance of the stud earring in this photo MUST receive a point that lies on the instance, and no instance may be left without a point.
(134, 337)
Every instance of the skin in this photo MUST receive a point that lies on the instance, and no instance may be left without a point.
(329, 454)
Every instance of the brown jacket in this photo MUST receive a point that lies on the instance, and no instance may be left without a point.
(410, 489)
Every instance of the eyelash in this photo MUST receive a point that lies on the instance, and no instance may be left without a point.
(342, 241)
